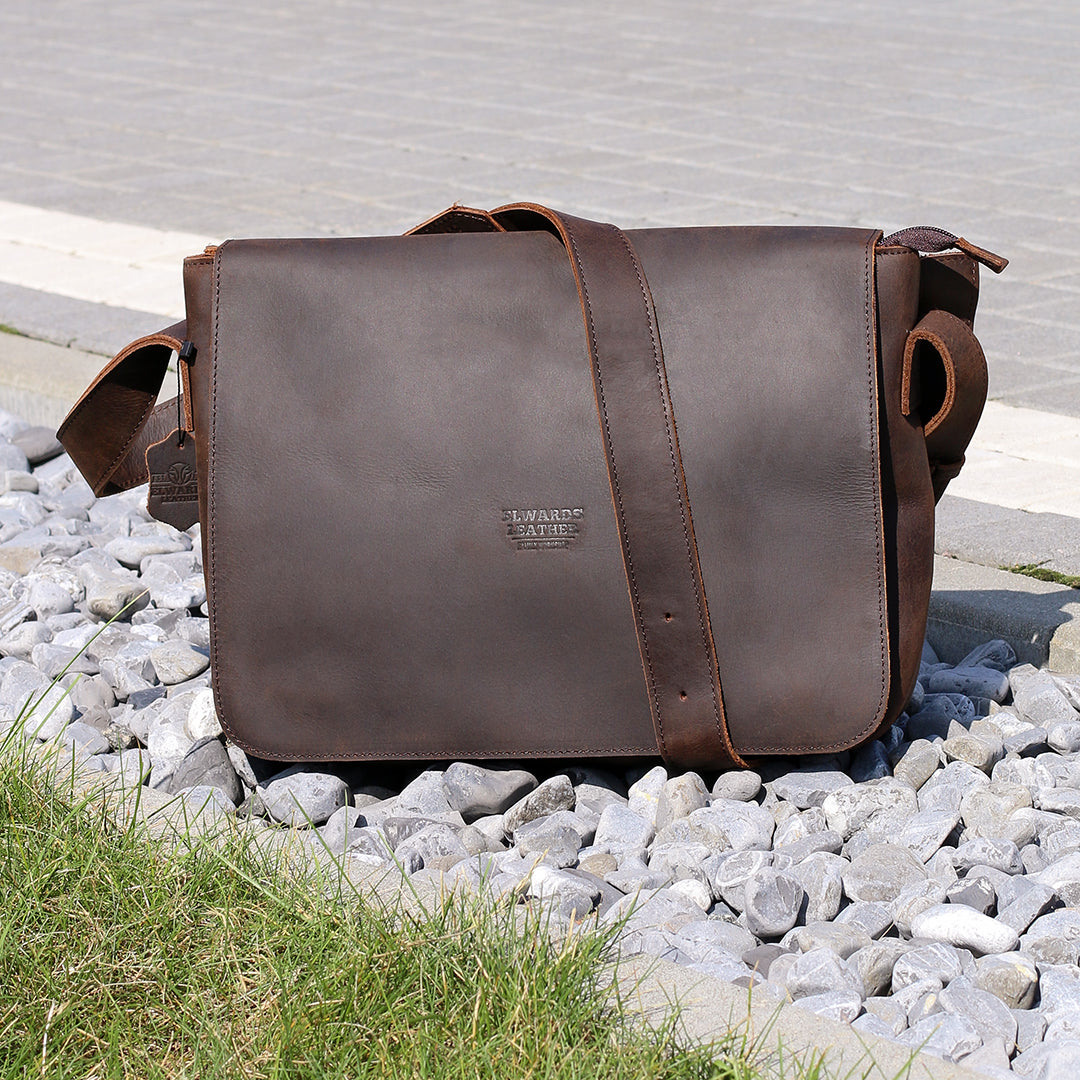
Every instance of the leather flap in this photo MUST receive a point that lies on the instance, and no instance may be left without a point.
(411, 546)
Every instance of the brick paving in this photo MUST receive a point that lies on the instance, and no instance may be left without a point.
(229, 117)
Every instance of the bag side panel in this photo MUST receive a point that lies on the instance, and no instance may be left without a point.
(909, 493)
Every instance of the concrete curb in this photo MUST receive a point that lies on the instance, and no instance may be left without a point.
(971, 603)
(780, 1034)
(39, 382)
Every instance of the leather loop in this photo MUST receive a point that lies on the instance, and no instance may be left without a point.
(112, 424)
(457, 219)
(648, 488)
(962, 391)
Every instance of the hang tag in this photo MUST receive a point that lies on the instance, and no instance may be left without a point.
(174, 481)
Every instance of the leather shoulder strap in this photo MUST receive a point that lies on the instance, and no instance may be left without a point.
(110, 427)
(648, 487)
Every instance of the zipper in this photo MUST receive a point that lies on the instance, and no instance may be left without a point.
(929, 239)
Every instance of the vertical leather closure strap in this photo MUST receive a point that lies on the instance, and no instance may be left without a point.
(648, 487)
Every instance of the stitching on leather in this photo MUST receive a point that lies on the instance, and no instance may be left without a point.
(618, 493)
(211, 439)
(112, 466)
(664, 401)
(875, 472)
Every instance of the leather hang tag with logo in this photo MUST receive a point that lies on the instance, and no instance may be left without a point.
(174, 484)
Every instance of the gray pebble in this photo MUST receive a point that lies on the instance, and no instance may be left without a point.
(738, 785)
(620, 831)
(206, 762)
(425, 796)
(51, 712)
(881, 873)
(477, 792)
(842, 1006)
(1064, 737)
(20, 641)
(983, 751)
(728, 824)
(875, 963)
(679, 798)
(177, 661)
(804, 788)
(553, 837)
(1011, 977)
(843, 940)
(975, 893)
(973, 682)
(434, 846)
(1049, 1061)
(914, 899)
(301, 798)
(1059, 991)
(982, 1009)
(948, 1037)
(871, 762)
(38, 444)
(1038, 699)
(556, 793)
(850, 808)
(965, 928)
(773, 900)
(1000, 854)
(88, 739)
(820, 877)
(644, 794)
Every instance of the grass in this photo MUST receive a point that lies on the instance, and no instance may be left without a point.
(121, 957)
(1043, 574)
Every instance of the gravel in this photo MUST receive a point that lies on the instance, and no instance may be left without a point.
(924, 887)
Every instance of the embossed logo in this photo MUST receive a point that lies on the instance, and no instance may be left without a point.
(544, 528)
(178, 484)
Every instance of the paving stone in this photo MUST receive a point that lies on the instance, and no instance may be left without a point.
(965, 928)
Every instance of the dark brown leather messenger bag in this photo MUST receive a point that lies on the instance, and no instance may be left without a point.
(519, 484)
